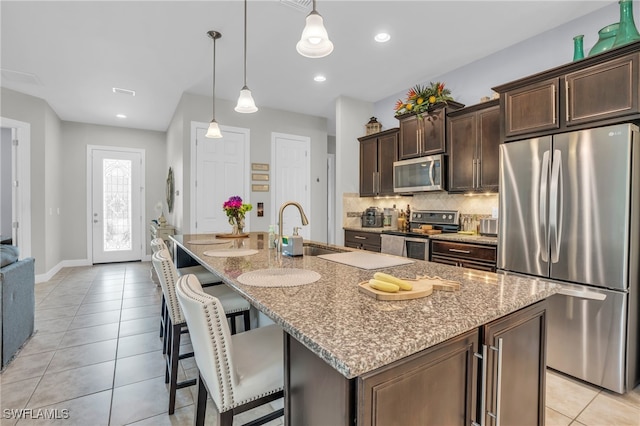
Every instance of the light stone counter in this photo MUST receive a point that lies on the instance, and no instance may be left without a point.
(355, 333)
(463, 238)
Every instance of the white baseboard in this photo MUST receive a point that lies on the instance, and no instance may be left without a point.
(40, 278)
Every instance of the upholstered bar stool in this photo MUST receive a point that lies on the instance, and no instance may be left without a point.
(240, 371)
(175, 324)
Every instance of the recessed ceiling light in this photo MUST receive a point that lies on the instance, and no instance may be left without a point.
(121, 116)
(382, 37)
(124, 91)
(319, 78)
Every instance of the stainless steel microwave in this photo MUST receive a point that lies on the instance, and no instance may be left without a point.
(419, 174)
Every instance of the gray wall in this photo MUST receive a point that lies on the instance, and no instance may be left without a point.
(261, 125)
(548, 50)
(54, 233)
(5, 184)
(74, 176)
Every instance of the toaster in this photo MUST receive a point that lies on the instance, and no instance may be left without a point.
(489, 227)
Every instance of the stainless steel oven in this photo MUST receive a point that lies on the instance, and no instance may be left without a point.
(417, 248)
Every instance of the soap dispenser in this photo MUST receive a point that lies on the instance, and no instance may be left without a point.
(292, 246)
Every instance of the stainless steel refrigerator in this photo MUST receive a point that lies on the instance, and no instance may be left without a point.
(569, 212)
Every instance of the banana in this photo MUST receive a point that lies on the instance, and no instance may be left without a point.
(384, 286)
(381, 276)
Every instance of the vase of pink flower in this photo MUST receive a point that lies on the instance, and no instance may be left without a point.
(235, 210)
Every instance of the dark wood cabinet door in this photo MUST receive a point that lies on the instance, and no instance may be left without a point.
(603, 91)
(462, 153)
(488, 149)
(368, 166)
(410, 135)
(517, 383)
(433, 132)
(434, 387)
(532, 108)
(387, 154)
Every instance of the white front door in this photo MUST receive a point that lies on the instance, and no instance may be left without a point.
(220, 170)
(291, 165)
(116, 204)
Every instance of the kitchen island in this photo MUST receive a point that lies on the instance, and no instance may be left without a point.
(345, 352)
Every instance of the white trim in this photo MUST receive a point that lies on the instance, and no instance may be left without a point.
(331, 198)
(22, 212)
(89, 168)
(307, 203)
(195, 125)
(41, 278)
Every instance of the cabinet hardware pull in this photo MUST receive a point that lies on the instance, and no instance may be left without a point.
(553, 104)
(358, 237)
(496, 415)
(478, 172)
(568, 101)
(460, 251)
(473, 174)
(483, 389)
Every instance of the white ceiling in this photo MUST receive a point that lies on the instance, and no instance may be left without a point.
(71, 54)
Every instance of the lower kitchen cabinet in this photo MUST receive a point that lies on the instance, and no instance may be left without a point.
(362, 240)
(466, 255)
(515, 368)
(496, 371)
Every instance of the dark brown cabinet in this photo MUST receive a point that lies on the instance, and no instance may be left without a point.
(437, 386)
(377, 154)
(599, 90)
(515, 368)
(466, 255)
(496, 370)
(474, 140)
(603, 91)
(425, 134)
(362, 240)
(532, 108)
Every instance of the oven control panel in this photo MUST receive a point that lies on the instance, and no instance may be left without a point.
(441, 217)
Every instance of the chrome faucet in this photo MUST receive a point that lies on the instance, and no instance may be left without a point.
(303, 217)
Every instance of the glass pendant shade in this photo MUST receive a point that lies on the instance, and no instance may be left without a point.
(214, 130)
(245, 102)
(314, 42)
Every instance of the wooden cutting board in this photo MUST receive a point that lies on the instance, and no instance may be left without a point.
(423, 286)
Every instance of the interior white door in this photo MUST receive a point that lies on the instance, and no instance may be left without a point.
(221, 171)
(116, 214)
(291, 175)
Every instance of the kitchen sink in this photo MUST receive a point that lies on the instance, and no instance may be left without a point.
(317, 251)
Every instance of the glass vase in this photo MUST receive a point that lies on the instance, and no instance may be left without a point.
(606, 37)
(578, 49)
(627, 31)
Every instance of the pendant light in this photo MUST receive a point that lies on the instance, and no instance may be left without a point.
(314, 42)
(245, 101)
(214, 129)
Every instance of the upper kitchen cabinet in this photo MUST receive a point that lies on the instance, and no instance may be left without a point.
(599, 90)
(602, 91)
(425, 134)
(532, 108)
(377, 154)
(473, 140)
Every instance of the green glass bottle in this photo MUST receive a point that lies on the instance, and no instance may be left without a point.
(627, 31)
(606, 37)
(578, 49)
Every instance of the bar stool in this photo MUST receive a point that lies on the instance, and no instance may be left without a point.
(175, 324)
(240, 371)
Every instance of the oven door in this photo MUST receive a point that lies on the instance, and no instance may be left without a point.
(417, 248)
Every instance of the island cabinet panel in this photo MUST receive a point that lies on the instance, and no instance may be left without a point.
(315, 393)
(603, 91)
(362, 240)
(434, 387)
(474, 140)
(532, 108)
(516, 363)
(425, 134)
(377, 154)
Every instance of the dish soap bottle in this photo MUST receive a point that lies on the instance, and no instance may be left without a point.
(272, 237)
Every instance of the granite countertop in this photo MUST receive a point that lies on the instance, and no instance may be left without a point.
(363, 229)
(464, 238)
(356, 333)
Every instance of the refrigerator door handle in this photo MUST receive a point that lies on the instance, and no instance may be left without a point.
(543, 231)
(584, 294)
(555, 206)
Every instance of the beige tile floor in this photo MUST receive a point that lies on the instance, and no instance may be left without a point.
(97, 356)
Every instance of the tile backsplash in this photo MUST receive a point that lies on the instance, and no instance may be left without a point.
(481, 205)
